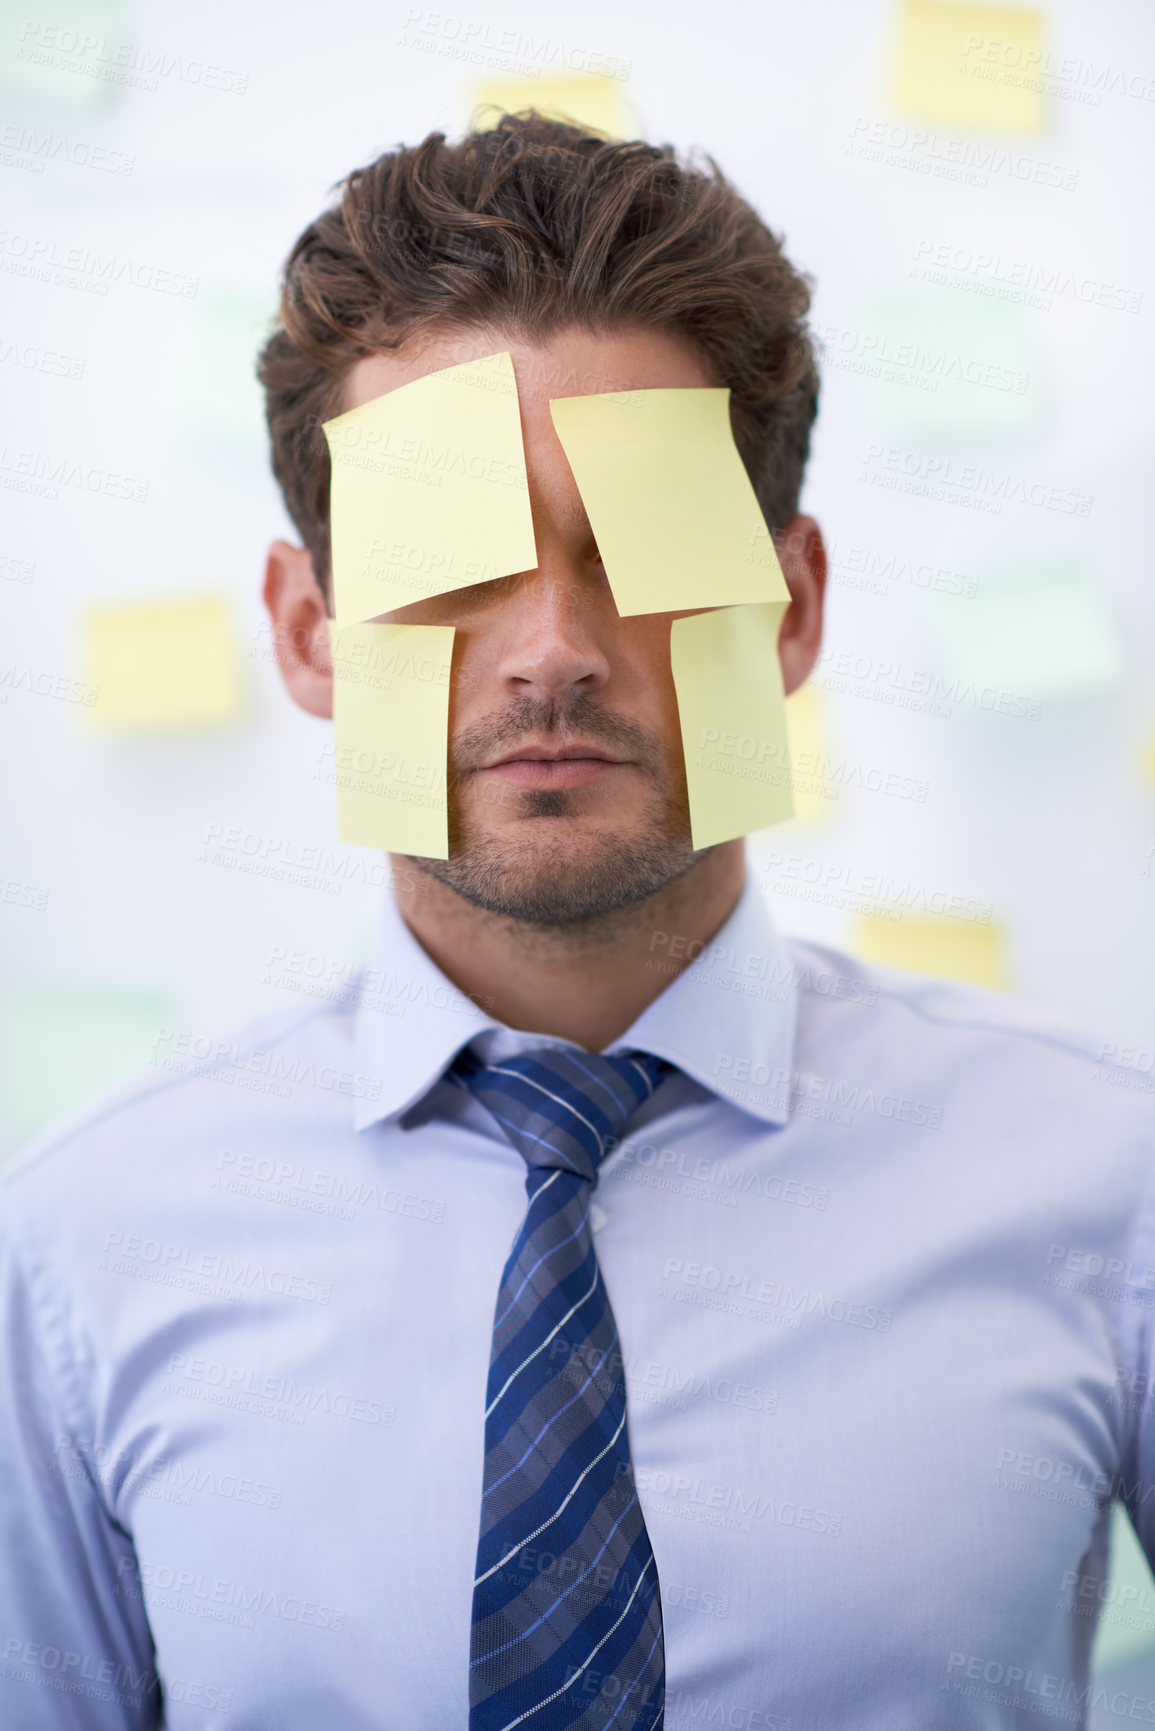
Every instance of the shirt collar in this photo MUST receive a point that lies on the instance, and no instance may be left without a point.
(727, 1020)
(411, 1022)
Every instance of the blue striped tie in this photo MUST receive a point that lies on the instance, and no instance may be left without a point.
(567, 1615)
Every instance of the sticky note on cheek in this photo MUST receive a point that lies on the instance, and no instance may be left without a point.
(391, 736)
(428, 491)
(733, 720)
(668, 497)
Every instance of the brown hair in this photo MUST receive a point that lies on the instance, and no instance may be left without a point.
(530, 227)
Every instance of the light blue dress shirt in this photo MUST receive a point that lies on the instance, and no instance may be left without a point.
(883, 1261)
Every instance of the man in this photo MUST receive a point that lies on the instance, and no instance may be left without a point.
(607, 1312)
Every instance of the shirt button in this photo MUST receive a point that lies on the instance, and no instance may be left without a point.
(597, 1217)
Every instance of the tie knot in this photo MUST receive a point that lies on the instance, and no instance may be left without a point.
(562, 1108)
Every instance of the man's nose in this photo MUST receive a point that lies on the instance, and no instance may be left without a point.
(552, 645)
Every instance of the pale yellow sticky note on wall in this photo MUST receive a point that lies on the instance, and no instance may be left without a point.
(391, 736)
(732, 713)
(977, 67)
(677, 522)
(950, 949)
(815, 800)
(1147, 758)
(590, 99)
(429, 490)
(163, 666)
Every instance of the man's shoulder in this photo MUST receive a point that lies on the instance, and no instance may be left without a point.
(955, 1021)
(200, 1091)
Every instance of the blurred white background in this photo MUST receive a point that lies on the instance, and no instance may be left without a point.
(984, 297)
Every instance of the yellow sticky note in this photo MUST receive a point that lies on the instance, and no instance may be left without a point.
(429, 490)
(950, 949)
(978, 67)
(163, 666)
(391, 736)
(1147, 758)
(730, 705)
(593, 100)
(677, 522)
(815, 799)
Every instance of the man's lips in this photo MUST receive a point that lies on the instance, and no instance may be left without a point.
(553, 766)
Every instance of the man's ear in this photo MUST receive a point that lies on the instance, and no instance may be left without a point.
(300, 628)
(802, 556)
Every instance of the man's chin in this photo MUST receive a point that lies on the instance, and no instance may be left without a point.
(561, 871)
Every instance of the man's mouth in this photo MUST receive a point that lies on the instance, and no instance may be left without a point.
(573, 765)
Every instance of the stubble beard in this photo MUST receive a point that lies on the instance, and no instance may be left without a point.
(585, 873)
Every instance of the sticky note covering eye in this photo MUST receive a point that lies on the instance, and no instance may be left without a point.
(163, 666)
(978, 67)
(733, 717)
(677, 522)
(391, 736)
(429, 490)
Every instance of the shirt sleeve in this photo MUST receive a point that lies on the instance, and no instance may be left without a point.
(76, 1653)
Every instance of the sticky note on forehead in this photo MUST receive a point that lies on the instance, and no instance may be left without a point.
(429, 490)
(668, 497)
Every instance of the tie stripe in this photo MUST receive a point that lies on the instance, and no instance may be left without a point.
(567, 1629)
(544, 1496)
(544, 1428)
(531, 1330)
(568, 1590)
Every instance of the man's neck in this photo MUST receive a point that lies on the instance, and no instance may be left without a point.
(585, 983)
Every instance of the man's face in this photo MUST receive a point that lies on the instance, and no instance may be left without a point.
(567, 789)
